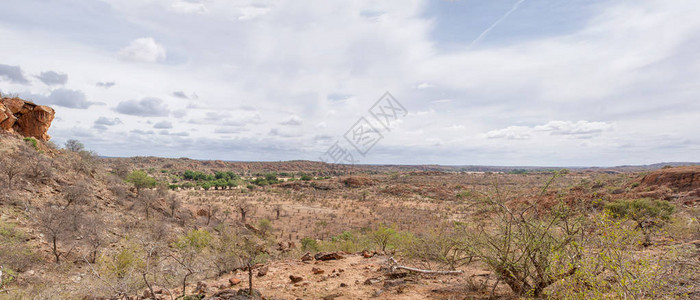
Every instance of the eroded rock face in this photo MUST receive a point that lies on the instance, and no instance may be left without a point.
(26, 118)
(680, 179)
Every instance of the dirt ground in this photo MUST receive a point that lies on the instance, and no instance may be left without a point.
(355, 277)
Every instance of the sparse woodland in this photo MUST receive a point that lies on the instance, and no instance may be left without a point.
(74, 225)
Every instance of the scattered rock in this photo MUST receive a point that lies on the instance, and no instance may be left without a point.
(234, 281)
(262, 271)
(248, 295)
(295, 279)
(317, 271)
(328, 256)
(393, 283)
(371, 281)
(307, 257)
(396, 275)
(333, 296)
(342, 284)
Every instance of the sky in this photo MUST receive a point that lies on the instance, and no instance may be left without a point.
(502, 82)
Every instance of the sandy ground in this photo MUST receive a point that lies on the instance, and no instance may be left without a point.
(353, 277)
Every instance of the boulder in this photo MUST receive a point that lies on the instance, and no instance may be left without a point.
(295, 279)
(262, 271)
(328, 256)
(234, 281)
(307, 257)
(26, 118)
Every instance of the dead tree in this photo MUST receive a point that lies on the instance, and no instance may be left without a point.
(244, 208)
(59, 226)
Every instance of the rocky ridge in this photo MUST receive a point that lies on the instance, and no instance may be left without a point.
(25, 118)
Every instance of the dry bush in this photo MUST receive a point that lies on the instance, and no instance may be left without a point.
(613, 266)
(358, 181)
(447, 246)
(146, 200)
(527, 250)
(60, 226)
(13, 165)
(39, 169)
(78, 194)
(15, 254)
(117, 187)
(93, 236)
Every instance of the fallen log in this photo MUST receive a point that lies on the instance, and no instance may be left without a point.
(395, 265)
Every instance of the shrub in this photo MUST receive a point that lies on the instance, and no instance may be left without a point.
(74, 146)
(32, 141)
(526, 250)
(126, 260)
(309, 244)
(648, 214)
(15, 254)
(612, 269)
(265, 226)
(382, 236)
(196, 239)
(141, 180)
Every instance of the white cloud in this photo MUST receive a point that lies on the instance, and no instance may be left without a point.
(188, 7)
(143, 50)
(578, 129)
(424, 85)
(293, 120)
(252, 12)
(574, 128)
(631, 64)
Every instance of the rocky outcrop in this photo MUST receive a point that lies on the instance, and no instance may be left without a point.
(26, 118)
(679, 179)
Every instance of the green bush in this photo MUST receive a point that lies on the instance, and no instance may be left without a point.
(648, 214)
(195, 239)
(124, 262)
(309, 244)
(383, 236)
(265, 226)
(141, 180)
(32, 141)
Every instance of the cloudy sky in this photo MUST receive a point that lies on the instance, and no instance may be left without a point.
(507, 82)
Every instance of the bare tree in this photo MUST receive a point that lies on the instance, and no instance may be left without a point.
(93, 236)
(12, 165)
(78, 194)
(173, 203)
(212, 210)
(74, 146)
(244, 208)
(153, 241)
(252, 251)
(59, 226)
(277, 209)
(39, 169)
(147, 199)
(121, 169)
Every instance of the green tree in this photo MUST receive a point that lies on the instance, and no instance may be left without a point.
(141, 180)
(382, 236)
